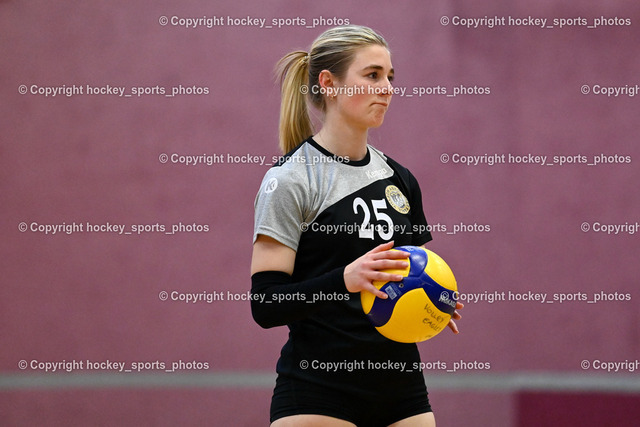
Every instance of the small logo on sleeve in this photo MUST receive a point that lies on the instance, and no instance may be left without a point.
(271, 185)
(396, 199)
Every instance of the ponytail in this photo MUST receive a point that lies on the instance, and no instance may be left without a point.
(295, 123)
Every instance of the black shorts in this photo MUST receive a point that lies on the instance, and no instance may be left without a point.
(295, 397)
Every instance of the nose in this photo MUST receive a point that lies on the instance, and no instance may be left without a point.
(387, 90)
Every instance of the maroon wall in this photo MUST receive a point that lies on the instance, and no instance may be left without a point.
(98, 159)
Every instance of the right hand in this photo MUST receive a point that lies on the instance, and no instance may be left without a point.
(360, 274)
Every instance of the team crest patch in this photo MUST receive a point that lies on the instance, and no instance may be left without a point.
(397, 199)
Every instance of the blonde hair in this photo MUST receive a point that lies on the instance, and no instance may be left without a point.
(298, 73)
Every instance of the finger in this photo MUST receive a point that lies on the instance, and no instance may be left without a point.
(379, 276)
(375, 291)
(395, 254)
(386, 264)
(382, 247)
(390, 255)
(452, 325)
(459, 305)
(456, 315)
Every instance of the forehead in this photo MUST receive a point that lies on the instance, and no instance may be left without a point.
(374, 55)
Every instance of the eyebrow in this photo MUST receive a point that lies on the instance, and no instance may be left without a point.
(377, 67)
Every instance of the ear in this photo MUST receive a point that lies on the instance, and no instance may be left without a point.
(326, 80)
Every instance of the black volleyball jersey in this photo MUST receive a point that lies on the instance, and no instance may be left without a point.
(331, 211)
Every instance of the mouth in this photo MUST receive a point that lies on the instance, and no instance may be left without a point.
(384, 104)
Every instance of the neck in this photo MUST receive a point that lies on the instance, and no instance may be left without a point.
(342, 140)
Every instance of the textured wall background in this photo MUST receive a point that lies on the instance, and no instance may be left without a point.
(526, 228)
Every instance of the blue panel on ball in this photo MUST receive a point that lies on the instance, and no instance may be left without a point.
(382, 309)
(418, 259)
(444, 299)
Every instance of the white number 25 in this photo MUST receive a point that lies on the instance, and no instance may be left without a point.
(366, 228)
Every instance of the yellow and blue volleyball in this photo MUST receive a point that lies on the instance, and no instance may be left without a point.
(419, 306)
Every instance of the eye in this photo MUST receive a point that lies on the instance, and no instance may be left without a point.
(373, 75)
(391, 77)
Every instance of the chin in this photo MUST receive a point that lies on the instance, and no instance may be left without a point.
(377, 122)
(372, 121)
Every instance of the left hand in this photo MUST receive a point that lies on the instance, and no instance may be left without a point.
(452, 325)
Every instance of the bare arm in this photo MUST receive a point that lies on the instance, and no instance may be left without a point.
(271, 255)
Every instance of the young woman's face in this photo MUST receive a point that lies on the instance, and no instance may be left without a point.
(369, 78)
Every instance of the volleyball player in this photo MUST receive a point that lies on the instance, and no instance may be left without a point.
(326, 216)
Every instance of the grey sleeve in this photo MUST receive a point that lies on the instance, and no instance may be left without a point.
(280, 206)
